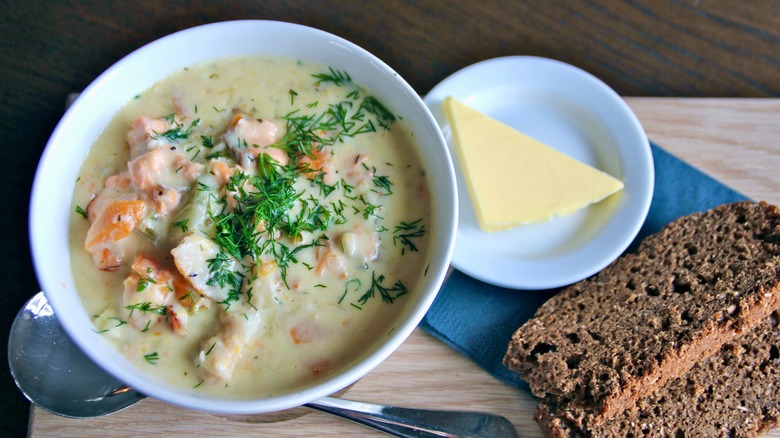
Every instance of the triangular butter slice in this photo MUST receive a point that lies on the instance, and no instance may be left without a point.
(514, 179)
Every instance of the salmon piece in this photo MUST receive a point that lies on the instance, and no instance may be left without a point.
(113, 214)
(116, 187)
(330, 261)
(144, 135)
(115, 222)
(163, 175)
(144, 301)
(154, 169)
(359, 174)
(112, 223)
(184, 293)
(169, 295)
(120, 181)
(307, 331)
(248, 137)
(318, 161)
(222, 171)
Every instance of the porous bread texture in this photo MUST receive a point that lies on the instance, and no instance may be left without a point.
(734, 393)
(599, 345)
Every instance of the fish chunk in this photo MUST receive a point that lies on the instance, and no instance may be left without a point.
(220, 352)
(200, 260)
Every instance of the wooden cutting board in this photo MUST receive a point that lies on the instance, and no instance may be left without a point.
(736, 141)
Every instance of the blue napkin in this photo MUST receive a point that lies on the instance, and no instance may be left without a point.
(478, 319)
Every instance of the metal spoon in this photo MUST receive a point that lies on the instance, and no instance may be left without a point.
(54, 374)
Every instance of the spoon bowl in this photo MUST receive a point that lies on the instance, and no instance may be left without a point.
(54, 374)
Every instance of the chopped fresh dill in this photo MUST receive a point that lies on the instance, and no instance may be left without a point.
(81, 211)
(143, 283)
(178, 132)
(119, 322)
(371, 210)
(406, 231)
(146, 307)
(152, 358)
(384, 185)
(388, 294)
(337, 77)
(182, 224)
(325, 189)
(355, 283)
(383, 116)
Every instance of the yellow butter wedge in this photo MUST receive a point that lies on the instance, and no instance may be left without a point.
(514, 179)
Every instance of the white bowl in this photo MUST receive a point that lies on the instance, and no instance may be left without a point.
(51, 207)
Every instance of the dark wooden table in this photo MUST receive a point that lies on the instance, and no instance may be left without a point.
(693, 48)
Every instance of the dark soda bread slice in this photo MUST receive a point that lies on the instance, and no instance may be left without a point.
(601, 344)
(733, 393)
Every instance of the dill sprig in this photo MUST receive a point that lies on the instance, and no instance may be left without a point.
(406, 231)
(146, 307)
(178, 132)
(81, 211)
(337, 77)
(152, 357)
(383, 184)
(388, 294)
(383, 116)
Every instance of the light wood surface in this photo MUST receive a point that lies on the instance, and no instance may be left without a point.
(735, 140)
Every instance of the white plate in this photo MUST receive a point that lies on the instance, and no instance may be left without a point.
(576, 113)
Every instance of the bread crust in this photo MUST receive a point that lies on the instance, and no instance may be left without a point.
(600, 345)
(734, 393)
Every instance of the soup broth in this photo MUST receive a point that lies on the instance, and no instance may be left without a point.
(248, 226)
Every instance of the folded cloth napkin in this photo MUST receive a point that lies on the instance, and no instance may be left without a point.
(478, 319)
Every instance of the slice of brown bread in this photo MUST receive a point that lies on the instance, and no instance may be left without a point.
(603, 343)
(733, 393)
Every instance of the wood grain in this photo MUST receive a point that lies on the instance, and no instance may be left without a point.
(735, 140)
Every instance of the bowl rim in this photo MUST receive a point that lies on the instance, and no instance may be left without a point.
(42, 238)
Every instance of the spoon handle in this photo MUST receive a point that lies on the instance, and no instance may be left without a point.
(407, 422)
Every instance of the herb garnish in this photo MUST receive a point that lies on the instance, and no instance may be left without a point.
(143, 283)
(257, 210)
(404, 232)
(388, 294)
(182, 224)
(146, 307)
(152, 358)
(178, 132)
(337, 77)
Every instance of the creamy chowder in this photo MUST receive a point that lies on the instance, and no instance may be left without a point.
(248, 226)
